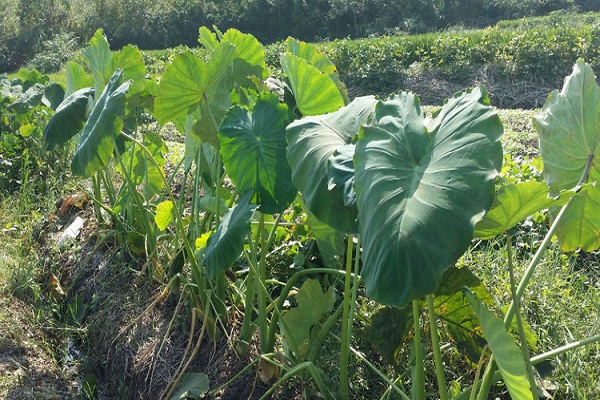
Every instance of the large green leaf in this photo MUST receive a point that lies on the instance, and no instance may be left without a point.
(77, 78)
(569, 129)
(315, 92)
(514, 203)
(69, 118)
(104, 124)
(248, 49)
(509, 357)
(253, 148)
(420, 191)
(131, 61)
(227, 243)
(298, 324)
(189, 83)
(312, 142)
(181, 87)
(99, 56)
(314, 57)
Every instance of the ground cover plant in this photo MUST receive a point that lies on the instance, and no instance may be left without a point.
(391, 196)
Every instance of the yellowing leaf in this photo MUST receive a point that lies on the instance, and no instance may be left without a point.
(164, 214)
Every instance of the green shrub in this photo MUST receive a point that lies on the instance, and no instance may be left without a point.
(55, 53)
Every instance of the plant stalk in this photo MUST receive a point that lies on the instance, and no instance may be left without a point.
(418, 390)
(517, 300)
(488, 376)
(345, 343)
(437, 354)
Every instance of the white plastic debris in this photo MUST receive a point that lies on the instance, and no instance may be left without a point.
(71, 232)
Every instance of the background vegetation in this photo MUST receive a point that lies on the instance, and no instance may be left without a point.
(28, 27)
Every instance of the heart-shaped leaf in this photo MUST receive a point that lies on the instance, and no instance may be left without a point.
(514, 203)
(96, 145)
(164, 214)
(227, 243)
(314, 57)
(420, 191)
(298, 323)
(315, 92)
(69, 118)
(569, 129)
(77, 78)
(99, 56)
(253, 148)
(312, 142)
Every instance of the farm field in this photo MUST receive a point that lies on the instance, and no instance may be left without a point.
(239, 235)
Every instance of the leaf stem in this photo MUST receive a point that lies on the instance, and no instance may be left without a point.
(517, 300)
(418, 390)
(488, 376)
(437, 354)
(345, 343)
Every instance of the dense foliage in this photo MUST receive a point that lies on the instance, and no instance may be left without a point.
(26, 24)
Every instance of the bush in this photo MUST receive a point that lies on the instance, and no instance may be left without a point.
(55, 53)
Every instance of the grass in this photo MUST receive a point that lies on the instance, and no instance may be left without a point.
(562, 303)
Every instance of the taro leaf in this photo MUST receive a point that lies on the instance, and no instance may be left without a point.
(509, 357)
(340, 173)
(314, 57)
(208, 203)
(193, 385)
(253, 149)
(250, 51)
(54, 94)
(182, 87)
(138, 167)
(104, 124)
(189, 83)
(453, 309)
(311, 143)
(131, 61)
(419, 193)
(99, 56)
(389, 330)
(207, 39)
(227, 243)
(164, 214)
(569, 129)
(315, 92)
(330, 241)
(69, 118)
(298, 323)
(30, 99)
(514, 203)
(77, 78)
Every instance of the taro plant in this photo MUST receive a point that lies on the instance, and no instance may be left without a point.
(26, 104)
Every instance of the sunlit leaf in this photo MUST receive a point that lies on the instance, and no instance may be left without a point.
(297, 324)
(99, 56)
(315, 92)
(514, 203)
(312, 142)
(508, 355)
(420, 191)
(569, 129)
(253, 148)
(104, 124)
(164, 214)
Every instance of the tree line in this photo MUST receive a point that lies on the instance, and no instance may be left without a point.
(28, 27)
